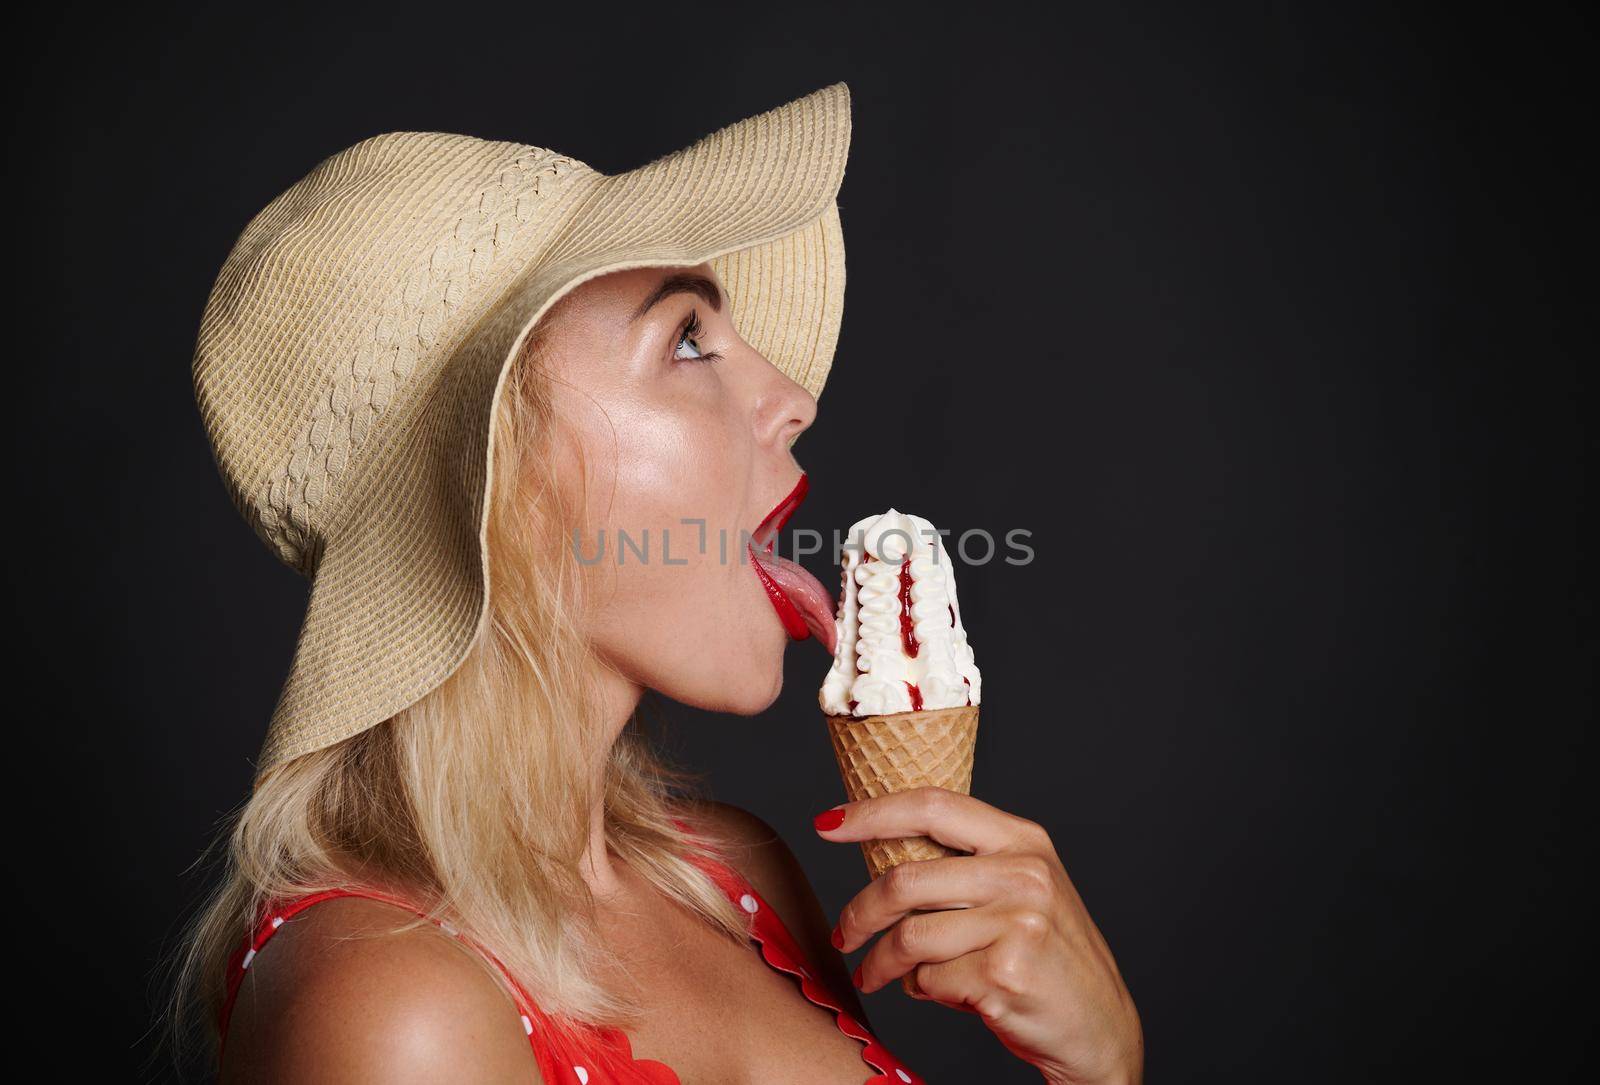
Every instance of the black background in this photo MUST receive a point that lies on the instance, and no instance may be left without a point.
(1254, 317)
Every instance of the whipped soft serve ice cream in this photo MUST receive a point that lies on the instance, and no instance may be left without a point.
(899, 645)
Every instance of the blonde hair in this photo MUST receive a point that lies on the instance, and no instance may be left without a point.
(474, 802)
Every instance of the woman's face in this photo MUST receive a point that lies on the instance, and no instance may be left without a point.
(676, 454)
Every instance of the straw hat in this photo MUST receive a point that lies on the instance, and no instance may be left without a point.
(352, 348)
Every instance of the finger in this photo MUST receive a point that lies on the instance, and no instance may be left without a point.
(928, 937)
(955, 820)
(988, 982)
(958, 881)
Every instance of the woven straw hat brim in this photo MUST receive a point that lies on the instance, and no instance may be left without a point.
(400, 588)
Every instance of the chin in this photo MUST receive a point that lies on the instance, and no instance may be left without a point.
(756, 700)
(758, 693)
(748, 675)
(745, 690)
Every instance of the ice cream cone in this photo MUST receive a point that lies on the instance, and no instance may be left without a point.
(900, 642)
(879, 755)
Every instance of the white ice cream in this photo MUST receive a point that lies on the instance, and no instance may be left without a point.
(901, 645)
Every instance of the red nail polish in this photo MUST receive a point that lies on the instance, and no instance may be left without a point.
(855, 977)
(828, 819)
(837, 939)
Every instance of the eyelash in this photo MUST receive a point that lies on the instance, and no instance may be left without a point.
(689, 329)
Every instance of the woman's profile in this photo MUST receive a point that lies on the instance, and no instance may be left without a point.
(438, 373)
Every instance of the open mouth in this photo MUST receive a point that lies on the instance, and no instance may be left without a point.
(767, 531)
(805, 607)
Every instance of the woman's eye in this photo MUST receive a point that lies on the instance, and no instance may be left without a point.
(690, 331)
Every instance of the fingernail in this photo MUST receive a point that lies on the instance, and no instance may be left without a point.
(828, 819)
(855, 977)
(837, 939)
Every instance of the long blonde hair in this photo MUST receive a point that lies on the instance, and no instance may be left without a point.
(474, 802)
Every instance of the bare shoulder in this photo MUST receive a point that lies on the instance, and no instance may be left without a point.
(337, 996)
(760, 855)
(764, 860)
(750, 835)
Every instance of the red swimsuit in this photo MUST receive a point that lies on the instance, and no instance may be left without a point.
(607, 1058)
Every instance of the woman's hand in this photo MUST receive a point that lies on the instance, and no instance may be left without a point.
(1001, 933)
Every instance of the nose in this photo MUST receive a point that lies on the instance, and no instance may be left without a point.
(786, 410)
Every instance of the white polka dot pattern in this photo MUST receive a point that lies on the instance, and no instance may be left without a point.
(775, 943)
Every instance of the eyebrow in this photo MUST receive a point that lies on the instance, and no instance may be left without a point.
(681, 284)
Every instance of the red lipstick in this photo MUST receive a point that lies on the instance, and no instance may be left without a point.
(767, 531)
(803, 605)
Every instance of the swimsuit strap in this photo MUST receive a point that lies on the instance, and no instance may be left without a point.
(273, 918)
(607, 1048)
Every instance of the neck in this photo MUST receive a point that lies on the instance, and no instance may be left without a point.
(619, 697)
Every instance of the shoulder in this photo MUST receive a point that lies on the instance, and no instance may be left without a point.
(336, 995)
(760, 855)
(735, 825)
(755, 849)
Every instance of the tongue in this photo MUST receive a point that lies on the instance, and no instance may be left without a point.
(810, 598)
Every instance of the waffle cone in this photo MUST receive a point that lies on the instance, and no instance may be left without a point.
(879, 755)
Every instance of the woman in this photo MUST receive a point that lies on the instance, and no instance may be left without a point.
(439, 374)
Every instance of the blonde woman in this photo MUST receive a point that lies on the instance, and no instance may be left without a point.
(439, 373)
